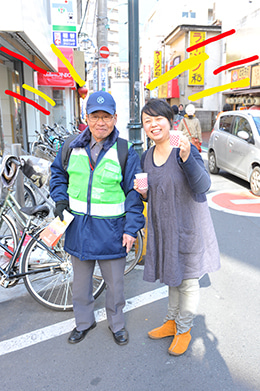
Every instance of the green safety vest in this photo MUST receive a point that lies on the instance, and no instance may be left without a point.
(97, 193)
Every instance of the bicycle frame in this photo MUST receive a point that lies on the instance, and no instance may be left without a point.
(7, 273)
(10, 202)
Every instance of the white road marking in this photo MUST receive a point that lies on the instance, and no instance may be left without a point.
(245, 201)
(55, 330)
(214, 205)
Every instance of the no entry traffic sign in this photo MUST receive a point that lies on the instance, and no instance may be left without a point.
(104, 52)
(240, 202)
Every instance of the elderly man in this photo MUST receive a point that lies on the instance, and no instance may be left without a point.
(107, 214)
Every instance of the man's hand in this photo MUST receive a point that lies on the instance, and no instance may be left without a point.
(59, 208)
(128, 241)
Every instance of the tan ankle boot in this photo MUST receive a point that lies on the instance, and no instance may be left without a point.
(168, 329)
(180, 344)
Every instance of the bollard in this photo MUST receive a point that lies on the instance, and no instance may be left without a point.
(16, 150)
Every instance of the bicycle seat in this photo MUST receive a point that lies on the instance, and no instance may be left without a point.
(37, 210)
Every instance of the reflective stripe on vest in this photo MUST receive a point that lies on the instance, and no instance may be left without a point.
(105, 194)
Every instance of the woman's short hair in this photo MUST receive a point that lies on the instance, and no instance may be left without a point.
(155, 107)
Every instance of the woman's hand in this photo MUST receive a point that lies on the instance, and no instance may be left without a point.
(184, 148)
(142, 192)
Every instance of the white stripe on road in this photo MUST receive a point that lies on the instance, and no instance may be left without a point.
(245, 201)
(55, 330)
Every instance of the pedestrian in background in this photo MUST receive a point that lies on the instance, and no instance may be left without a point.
(181, 242)
(226, 107)
(107, 214)
(181, 110)
(190, 124)
(176, 117)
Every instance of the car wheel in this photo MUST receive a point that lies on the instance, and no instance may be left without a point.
(255, 181)
(213, 169)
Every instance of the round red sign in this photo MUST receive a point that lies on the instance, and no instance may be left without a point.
(240, 202)
(104, 51)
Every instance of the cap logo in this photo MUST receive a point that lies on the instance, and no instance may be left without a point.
(100, 100)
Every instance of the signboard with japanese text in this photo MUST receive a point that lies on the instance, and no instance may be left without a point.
(63, 18)
(196, 75)
(157, 64)
(62, 78)
(162, 91)
(255, 75)
(103, 76)
(240, 74)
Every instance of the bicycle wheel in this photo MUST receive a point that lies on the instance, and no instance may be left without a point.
(50, 275)
(8, 240)
(134, 255)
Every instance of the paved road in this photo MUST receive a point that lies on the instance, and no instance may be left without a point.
(223, 354)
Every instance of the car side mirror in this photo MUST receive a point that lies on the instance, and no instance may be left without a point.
(245, 136)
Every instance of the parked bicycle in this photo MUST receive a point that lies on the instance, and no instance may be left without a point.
(46, 271)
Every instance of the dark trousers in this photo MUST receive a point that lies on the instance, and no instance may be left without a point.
(83, 301)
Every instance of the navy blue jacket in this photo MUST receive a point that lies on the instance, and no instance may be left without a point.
(88, 237)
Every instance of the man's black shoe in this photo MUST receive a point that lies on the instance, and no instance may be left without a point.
(77, 336)
(121, 336)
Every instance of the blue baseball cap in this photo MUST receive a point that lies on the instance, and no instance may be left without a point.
(101, 100)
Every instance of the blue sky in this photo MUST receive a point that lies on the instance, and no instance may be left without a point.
(145, 7)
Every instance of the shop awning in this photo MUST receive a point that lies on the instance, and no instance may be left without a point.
(62, 78)
(242, 91)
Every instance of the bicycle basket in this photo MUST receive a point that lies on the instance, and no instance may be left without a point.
(36, 169)
(8, 171)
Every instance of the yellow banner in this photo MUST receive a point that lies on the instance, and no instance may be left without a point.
(157, 63)
(196, 75)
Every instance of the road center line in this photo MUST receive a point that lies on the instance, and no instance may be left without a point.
(55, 330)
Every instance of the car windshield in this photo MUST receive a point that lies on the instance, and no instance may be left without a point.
(257, 122)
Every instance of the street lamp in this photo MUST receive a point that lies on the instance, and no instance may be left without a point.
(134, 124)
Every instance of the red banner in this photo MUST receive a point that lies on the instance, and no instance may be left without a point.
(62, 78)
(173, 89)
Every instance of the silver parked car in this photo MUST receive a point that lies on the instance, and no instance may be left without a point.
(234, 146)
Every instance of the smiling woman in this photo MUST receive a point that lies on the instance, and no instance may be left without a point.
(181, 242)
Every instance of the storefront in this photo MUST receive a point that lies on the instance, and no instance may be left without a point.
(248, 97)
(28, 37)
(60, 87)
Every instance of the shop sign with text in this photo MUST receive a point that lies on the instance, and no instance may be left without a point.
(157, 66)
(196, 75)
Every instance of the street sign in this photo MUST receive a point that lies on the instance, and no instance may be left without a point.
(64, 25)
(240, 202)
(104, 51)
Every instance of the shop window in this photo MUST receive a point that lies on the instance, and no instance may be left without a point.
(59, 110)
(58, 97)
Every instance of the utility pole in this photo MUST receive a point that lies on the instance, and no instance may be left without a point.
(102, 41)
(134, 125)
